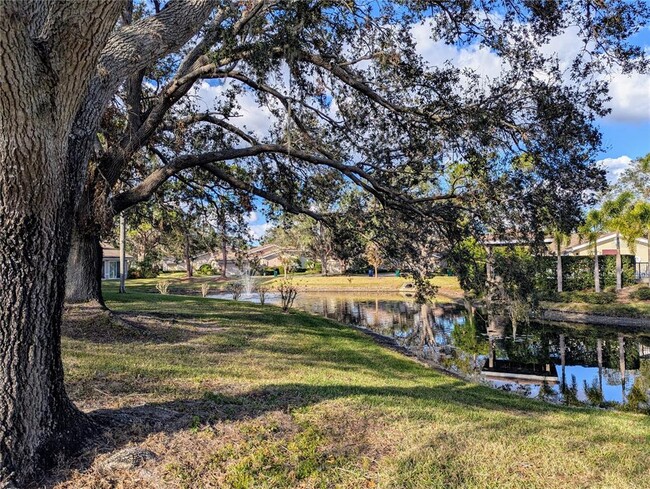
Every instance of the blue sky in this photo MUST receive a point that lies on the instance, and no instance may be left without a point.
(626, 131)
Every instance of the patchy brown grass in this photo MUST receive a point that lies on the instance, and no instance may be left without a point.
(235, 395)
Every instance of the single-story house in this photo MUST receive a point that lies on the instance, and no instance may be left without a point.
(111, 261)
(170, 264)
(215, 260)
(270, 255)
(578, 246)
(273, 256)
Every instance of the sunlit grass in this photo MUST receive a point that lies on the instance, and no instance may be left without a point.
(180, 284)
(293, 400)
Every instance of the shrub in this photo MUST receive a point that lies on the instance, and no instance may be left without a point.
(637, 400)
(596, 298)
(206, 269)
(578, 272)
(236, 289)
(317, 267)
(583, 296)
(593, 393)
(261, 292)
(641, 294)
(144, 269)
(205, 289)
(288, 292)
(163, 287)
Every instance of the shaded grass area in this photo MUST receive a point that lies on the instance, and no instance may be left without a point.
(231, 394)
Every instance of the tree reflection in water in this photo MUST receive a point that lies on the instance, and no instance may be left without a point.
(540, 360)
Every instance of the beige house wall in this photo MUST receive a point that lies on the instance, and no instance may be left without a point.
(641, 249)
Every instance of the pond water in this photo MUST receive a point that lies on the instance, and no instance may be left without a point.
(557, 362)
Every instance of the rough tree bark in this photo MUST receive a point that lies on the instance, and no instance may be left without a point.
(48, 53)
(84, 271)
(323, 264)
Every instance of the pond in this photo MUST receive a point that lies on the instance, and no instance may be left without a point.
(557, 362)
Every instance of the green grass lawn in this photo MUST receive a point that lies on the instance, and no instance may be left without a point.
(262, 399)
(180, 284)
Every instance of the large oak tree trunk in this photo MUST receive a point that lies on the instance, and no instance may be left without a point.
(37, 421)
(323, 264)
(46, 61)
(83, 283)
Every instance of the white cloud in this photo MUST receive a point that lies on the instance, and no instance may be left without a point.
(630, 97)
(251, 115)
(251, 217)
(437, 53)
(614, 167)
(258, 230)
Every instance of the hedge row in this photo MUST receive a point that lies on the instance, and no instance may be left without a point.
(578, 272)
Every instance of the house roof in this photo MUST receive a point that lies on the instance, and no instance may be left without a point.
(270, 249)
(109, 251)
(603, 239)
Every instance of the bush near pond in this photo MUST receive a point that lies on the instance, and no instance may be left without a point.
(206, 269)
(578, 272)
(641, 294)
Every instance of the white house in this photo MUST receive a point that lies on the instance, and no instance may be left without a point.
(111, 261)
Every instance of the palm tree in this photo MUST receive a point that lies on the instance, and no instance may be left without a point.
(638, 225)
(560, 239)
(591, 230)
(616, 219)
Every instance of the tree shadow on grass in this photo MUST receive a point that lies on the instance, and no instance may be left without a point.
(108, 327)
(132, 425)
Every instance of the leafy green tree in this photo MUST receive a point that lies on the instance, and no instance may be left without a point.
(638, 225)
(636, 179)
(95, 88)
(592, 229)
(615, 212)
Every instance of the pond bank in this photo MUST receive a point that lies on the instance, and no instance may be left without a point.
(258, 398)
(559, 315)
